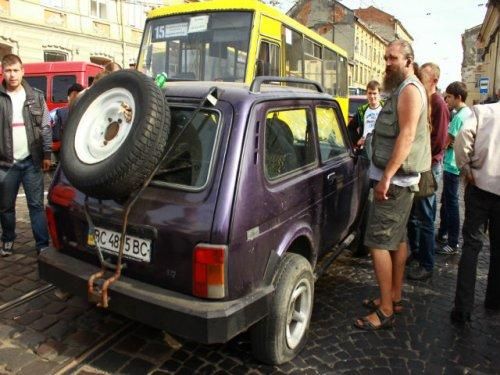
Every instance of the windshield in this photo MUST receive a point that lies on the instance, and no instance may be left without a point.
(202, 46)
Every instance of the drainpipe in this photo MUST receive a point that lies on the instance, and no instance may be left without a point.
(495, 88)
(122, 32)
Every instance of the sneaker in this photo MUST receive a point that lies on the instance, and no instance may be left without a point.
(6, 249)
(447, 250)
(419, 273)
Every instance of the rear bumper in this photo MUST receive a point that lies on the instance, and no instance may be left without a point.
(192, 318)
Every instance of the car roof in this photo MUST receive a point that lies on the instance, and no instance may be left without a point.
(235, 91)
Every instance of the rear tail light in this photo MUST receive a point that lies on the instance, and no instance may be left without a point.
(209, 269)
(62, 195)
(51, 223)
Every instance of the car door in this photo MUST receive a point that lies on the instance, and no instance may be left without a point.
(338, 165)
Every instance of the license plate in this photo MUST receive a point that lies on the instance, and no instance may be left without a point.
(134, 247)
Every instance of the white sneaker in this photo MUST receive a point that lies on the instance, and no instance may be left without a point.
(6, 249)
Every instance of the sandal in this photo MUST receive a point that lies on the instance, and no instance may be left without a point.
(370, 304)
(385, 322)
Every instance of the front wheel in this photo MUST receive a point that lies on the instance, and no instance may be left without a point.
(280, 336)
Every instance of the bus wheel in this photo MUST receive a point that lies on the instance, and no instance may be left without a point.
(280, 336)
(115, 135)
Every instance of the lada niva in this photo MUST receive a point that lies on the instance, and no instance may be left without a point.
(205, 209)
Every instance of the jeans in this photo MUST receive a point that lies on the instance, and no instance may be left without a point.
(450, 216)
(481, 208)
(31, 177)
(421, 225)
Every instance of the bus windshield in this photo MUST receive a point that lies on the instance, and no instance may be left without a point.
(207, 46)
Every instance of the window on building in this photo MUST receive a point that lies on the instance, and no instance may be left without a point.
(136, 15)
(356, 46)
(55, 56)
(52, 3)
(98, 8)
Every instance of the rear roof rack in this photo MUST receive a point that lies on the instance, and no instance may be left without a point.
(258, 81)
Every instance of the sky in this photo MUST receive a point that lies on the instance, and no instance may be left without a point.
(435, 25)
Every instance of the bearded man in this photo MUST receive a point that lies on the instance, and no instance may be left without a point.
(401, 150)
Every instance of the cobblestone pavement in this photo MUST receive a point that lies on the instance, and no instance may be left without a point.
(44, 334)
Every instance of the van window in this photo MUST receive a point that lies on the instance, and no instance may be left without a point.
(331, 139)
(60, 85)
(192, 154)
(289, 142)
(38, 82)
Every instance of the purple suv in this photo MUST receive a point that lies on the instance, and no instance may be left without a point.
(259, 191)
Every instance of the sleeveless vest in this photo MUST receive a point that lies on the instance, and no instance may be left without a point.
(387, 130)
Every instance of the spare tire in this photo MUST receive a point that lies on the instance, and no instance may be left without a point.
(104, 155)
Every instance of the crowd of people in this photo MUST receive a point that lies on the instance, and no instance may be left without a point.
(415, 130)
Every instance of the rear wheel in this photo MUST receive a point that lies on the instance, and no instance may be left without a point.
(280, 336)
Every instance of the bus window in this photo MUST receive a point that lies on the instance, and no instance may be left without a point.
(312, 61)
(201, 46)
(38, 82)
(293, 53)
(60, 85)
(330, 72)
(268, 61)
(342, 76)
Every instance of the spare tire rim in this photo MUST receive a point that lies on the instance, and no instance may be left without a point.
(299, 313)
(103, 127)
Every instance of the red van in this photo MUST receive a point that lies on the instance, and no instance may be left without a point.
(54, 78)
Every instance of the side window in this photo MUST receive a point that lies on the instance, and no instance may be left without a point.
(38, 82)
(330, 136)
(292, 42)
(60, 85)
(312, 61)
(268, 60)
(289, 142)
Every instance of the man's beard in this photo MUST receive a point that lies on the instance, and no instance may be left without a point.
(393, 79)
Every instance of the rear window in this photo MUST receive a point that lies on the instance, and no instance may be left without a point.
(38, 82)
(60, 86)
(189, 162)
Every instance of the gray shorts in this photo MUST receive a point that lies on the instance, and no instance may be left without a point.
(387, 220)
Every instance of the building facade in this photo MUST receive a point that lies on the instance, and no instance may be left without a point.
(471, 64)
(383, 24)
(73, 30)
(489, 44)
(369, 49)
(335, 22)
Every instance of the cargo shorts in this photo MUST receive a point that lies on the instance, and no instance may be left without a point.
(387, 220)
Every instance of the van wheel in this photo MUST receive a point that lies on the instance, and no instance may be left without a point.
(107, 151)
(280, 336)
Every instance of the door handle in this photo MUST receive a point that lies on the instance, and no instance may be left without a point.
(331, 177)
